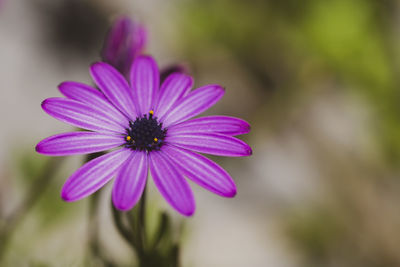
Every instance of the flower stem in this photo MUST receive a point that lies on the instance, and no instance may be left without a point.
(142, 221)
(132, 227)
(137, 222)
(124, 231)
(93, 225)
(97, 255)
(163, 226)
(161, 251)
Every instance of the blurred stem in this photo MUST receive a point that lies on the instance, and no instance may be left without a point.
(175, 256)
(141, 229)
(94, 225)
(135, 232)
(161, 229)
(32, 196)
(162, 251)
(96, 253)
(123, 230)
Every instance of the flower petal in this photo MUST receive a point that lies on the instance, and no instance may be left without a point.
(115, 88)
(93, 175)
(212, 124)
(80, 115)
(93, 98)
(171, 183)
(211, 143)
(193, 104)
(202, 171)
(77, 143)
(145, 79)
(130, 181)
(173, 88)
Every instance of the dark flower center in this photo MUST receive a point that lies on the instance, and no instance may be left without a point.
(145, 133)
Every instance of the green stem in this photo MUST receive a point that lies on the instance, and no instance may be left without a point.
(122, 229)
(161, 230)
(135, 232)
(97, 255)
(93, 225)
(142, 221)
(175, 256)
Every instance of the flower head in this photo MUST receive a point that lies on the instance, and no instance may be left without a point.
(125, 40)
(147, 127)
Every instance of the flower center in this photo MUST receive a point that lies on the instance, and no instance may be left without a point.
(145, 133)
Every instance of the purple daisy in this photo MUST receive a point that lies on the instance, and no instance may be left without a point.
(146, 126)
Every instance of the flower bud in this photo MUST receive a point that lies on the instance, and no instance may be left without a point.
(125, 40)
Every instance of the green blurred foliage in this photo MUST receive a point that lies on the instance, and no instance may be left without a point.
(30, 165)
(293, 49)
(318, 230)
(288, 46)
(49, 207)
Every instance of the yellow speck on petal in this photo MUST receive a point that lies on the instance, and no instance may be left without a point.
(155, 139)
(128, 138)
(151, 112)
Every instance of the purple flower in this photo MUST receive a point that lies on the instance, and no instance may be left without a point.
(125, 40)
(147, 127)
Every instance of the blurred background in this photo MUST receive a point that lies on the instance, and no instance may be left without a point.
(318, 81)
